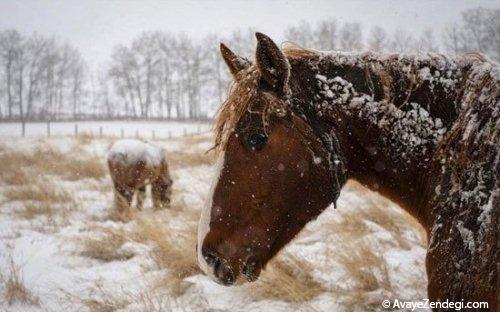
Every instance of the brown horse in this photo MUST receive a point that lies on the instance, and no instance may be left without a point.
(132, 165)
(422, 130)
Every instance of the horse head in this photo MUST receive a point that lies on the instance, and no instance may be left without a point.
(275, 173)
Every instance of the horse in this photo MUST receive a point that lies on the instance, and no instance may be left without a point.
(133, 164)
(422, 130)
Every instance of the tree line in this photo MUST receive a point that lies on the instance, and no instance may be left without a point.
(171, 76)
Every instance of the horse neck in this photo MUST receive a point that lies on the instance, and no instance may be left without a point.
(387, 133)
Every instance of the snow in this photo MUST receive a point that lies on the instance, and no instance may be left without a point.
(132, 151)
(47, 250)
(162, 129)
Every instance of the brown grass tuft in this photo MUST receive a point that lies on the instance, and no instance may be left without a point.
(84, 138)
(45, 160)
(14, 288)
(12, 173)
(31, 210)
(174, 249)
(107, 246)
(366, 267)
(287, 278)
(99, 299)
(83, 168)
(44, 191)
(183, 159)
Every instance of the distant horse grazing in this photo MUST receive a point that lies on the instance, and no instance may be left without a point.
(132, 165)
(423, 130)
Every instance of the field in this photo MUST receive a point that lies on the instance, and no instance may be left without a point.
(62, 247)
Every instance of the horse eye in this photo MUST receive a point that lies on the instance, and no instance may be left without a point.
(256, 140)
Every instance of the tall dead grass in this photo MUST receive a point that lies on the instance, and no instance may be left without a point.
(98, 300)
(14, 288)
(43, 191)
(287, 278)
(32, 210)
(183, 159)
(360, 254)
(22, 166)
(106, 245)
(174, 250)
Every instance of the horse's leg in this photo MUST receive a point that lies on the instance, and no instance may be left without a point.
(162, 190)
(141, 195)
(123, 200)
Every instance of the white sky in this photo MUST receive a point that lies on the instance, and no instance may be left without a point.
(94, 27)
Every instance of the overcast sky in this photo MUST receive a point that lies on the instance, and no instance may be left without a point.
(94, 27)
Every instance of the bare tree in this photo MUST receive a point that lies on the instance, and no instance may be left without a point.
(402, 41)
(378, 40)
(351, 38)
(326, 35)
(301, 34)
(10, 45)
(478, 30)
(427, 42)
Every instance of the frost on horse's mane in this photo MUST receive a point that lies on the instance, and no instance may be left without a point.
(413, 127)
(410, 133)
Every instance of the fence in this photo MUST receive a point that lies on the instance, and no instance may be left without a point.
(131, 129)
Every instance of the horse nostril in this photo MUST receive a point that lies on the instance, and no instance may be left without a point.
(221, 268)
(224, 273)
(211, 259)
(229, 278)
(251, 269)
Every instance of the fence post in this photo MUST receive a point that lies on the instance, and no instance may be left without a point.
(48, 128)
(185, 131)
(76, 130)
(152, 134)
(100, 131)
(199, 129)
(121, 133)
(136, 133)
(23, 128)
(169, 134)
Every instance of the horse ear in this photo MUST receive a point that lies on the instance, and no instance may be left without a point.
(234, 62)
(272, 63)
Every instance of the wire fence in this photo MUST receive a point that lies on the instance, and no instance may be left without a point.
(121, 130)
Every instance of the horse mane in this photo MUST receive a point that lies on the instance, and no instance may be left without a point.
(244, 85)
(241, 90)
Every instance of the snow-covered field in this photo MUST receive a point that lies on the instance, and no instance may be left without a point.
(63, 249)
(161, 129)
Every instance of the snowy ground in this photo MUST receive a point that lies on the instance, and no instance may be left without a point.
(62, 249)
(161, 129)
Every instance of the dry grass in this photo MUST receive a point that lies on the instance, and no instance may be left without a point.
(14, 288)
(98, 300)
(360, 255)
(101, 299)
(43, 191)
(106, 246)
(365, 266)
(32, 210)
(183, 159)
(84, 138)
(287, 278)
(13, 175)
(21, 166)
(174, 249)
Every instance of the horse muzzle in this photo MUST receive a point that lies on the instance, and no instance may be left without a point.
(226, 274)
